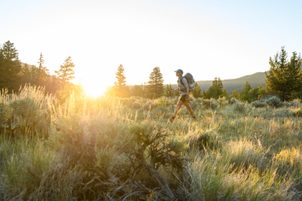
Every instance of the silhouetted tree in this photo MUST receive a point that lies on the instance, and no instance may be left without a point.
(120, 77)
(42, 72)
(156, 83)
(10, 67)
(285, 77)
(120, 88)
(66, 71)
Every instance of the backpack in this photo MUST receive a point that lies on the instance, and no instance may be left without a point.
(190, 80)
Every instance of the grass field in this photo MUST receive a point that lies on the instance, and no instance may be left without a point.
(125, 149)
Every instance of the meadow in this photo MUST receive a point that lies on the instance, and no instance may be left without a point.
(126, 149)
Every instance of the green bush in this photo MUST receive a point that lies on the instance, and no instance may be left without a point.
(274, 101)
(259, 104)
(210, 103)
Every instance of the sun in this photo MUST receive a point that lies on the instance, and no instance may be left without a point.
(94, 91)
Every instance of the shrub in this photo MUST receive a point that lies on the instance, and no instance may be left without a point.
(239, 107)
(210, 103)
(29, 118)
(207, 140)
(274, 101)
(293, 103)
(259, 104)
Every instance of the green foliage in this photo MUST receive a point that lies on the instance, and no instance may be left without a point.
(197, 93)
(27, 114)
(210, 103)
(285, 77)
(272, 101)
(156, 83)
(124, 149)
(216, 90)
(9, 67)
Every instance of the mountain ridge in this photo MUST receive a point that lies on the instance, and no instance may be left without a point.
(255, 80)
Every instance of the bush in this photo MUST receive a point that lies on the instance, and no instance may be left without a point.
(207, 140)
(29, 118)
(294, 103)
(259, 104)
(239, 107)
(210, 103)
(274, 101)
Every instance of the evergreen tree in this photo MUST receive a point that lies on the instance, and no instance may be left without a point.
(156, 83)
(10, 67)
(245, 94)
(197, 93)
(120, 88)
(249, 94)
(285, 77)
(41, 61)
(42, 72)
(120, 77)
(216, 90)
(66, 71)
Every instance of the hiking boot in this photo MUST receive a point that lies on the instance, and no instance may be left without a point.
(172, 119)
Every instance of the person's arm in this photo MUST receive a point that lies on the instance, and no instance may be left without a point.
(185, 82)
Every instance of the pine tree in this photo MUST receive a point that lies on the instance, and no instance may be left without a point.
(285, 77)
(216, 90)
(156, 83)
(120, 77)
(10, 67)
(42, 72)
(197, 93)
(245, 94)
(66, 71)
(120, 88)
(41, 61)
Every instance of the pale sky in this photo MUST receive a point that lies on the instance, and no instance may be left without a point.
(209, 38)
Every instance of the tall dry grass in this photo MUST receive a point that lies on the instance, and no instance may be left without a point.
(125, 149)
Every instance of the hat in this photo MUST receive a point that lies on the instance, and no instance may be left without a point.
(179, 71)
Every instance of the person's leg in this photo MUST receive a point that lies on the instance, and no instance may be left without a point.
(178, 107)
(190, 109)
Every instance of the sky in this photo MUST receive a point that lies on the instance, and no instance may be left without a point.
(208, 38)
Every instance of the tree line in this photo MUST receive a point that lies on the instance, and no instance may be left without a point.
(284, 79)
(15, 74)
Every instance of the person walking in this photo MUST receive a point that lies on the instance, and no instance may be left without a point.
(184, 97)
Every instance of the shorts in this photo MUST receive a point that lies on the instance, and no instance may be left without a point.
(184, 99)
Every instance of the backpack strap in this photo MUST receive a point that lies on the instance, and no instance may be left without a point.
(182, 81)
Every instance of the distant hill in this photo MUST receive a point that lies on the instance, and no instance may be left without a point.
(255, 80)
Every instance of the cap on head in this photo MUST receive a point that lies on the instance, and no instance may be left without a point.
(179, 71)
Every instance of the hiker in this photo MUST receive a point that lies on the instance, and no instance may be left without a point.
(184, 98)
